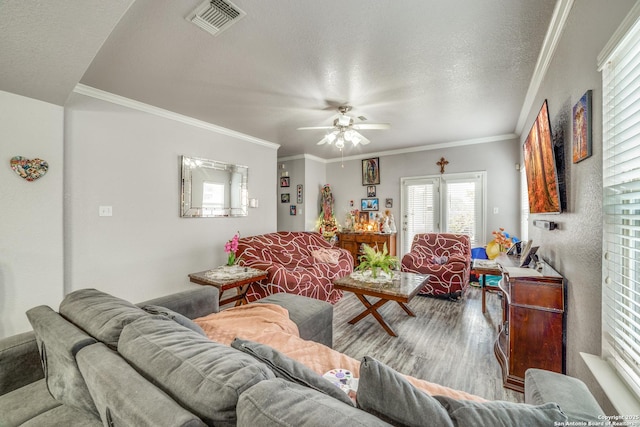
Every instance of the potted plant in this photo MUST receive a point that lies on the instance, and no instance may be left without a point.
(377, 261)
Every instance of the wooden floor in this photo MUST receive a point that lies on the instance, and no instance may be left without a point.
(448, 342)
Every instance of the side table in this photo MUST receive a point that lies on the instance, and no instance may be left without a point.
(229, 277)
(486, 267)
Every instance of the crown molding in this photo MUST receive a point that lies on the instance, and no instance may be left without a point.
(441, 146)
(551, 40)
(621, 33)
(141, 106)
(302, 156)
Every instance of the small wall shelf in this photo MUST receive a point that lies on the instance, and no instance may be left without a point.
(547, 225)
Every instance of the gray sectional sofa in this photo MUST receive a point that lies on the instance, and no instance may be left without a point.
(101, 360)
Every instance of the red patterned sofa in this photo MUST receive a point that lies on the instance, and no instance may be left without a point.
(446, 257)
(300, 262)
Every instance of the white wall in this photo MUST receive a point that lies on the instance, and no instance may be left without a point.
(575, 249)
(315, 173)
(31, 242)
(497, 158)
(286, 221)
(130, 160)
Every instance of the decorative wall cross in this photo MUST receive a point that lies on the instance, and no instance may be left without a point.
(442, 163)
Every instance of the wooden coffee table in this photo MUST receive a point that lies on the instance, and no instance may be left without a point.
(224, 278)
(401, 289)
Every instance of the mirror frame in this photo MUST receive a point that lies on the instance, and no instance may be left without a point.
(189, 211)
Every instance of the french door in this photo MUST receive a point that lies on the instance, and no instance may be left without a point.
(453, 203)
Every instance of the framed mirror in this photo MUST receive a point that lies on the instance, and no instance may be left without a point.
(213, 189)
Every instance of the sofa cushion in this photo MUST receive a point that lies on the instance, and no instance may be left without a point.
(101, 315)
(64, 415)
(279, 402)
(289, 369)
(203, 376)
(123, 397)
(313, 317)
(176, 317)
(387, 394)
(192, 303)
(22, 404)
(578, 403)
(59, 341)
(19, 361)
(502, 414)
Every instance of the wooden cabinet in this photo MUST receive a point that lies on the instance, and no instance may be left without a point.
(533, 330)
(353, 243)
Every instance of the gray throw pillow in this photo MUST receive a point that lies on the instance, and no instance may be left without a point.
(388, 395)
(175, 316)
(498, 413)
(289, 369)
(280, 403)
(203, 376)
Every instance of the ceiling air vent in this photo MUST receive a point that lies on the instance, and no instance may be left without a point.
(215, 16)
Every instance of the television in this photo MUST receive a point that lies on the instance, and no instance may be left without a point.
(540, 166)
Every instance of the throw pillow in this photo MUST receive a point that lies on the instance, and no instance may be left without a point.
(175, 316)
(329, 256)
(498, 413)
(440, 260)
(388, 395)
(289, 369)
(203, 376)
(280, 403)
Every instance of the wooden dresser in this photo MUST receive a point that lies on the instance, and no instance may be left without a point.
(533, 330)
(353, 242)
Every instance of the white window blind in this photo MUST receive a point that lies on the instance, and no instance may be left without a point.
(463, 205)
(420, 216)
(621, 204)
(453, 203)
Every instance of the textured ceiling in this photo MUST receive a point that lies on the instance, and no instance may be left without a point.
(440, 71)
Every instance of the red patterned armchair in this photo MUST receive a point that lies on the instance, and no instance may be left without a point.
(302, 263)
(446, 257)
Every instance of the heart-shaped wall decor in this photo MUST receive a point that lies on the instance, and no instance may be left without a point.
(29, 169)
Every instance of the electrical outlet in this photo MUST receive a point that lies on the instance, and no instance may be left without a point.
(105, 211)
(496, 211)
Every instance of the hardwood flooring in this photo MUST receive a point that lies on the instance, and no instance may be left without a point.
(448, 342)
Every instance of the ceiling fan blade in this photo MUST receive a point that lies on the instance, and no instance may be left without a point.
(372, 126)
(316, 128)
(322, 141)
(359, 139)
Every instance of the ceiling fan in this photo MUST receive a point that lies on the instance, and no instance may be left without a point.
(345, 129)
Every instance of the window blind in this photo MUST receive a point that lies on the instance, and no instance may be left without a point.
(463, 204)
(420, 215)
(621, 209)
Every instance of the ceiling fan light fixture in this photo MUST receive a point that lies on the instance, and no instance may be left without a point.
(355, 140)
(344, 120)
(331, 136)
(340, 142)
(348, 135)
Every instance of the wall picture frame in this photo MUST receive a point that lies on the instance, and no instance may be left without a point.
(581, 128)
(299, 198)
(285, 198)
(371, 191)
(369, 204)
(292, 210)
(388, 203)
(371, 171)
(284, 181)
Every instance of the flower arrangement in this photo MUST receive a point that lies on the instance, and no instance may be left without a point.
(231, 247)
(500, 243)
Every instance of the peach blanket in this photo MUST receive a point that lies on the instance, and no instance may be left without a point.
(269, 324)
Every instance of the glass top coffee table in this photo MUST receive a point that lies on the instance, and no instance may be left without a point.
(401, 289)
(229, 277)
